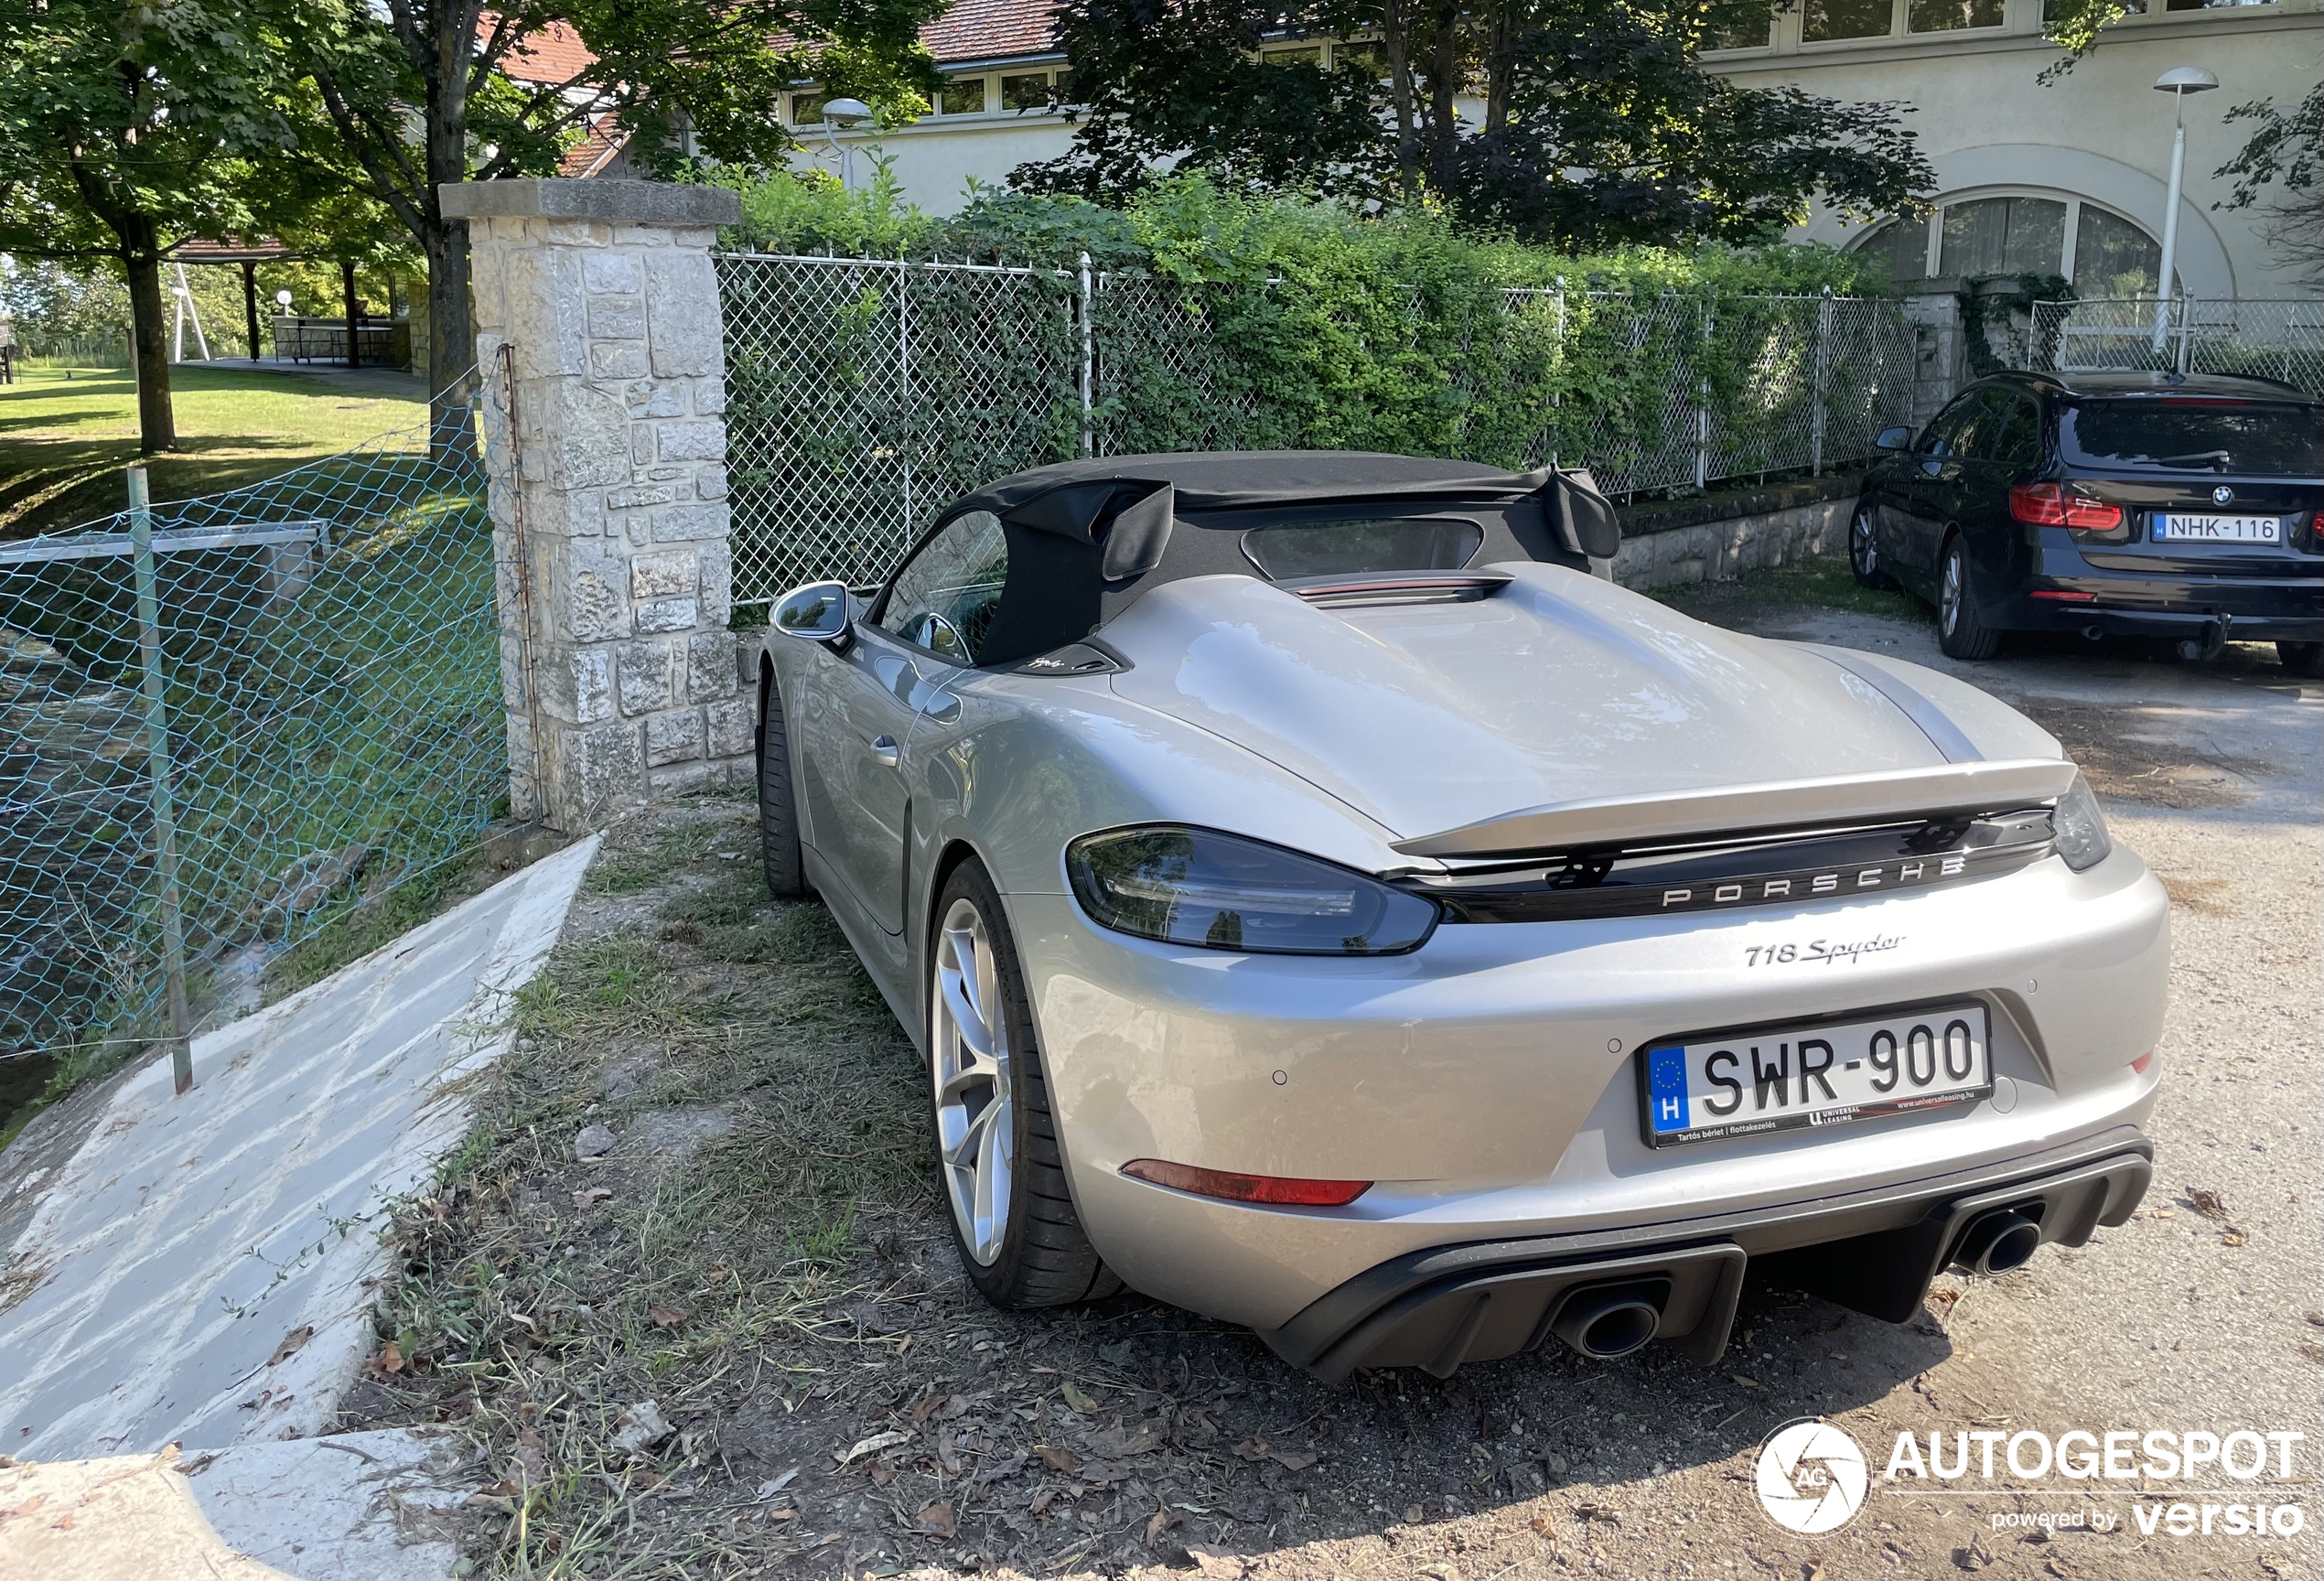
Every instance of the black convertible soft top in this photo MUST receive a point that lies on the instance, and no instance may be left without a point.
(1085, 538)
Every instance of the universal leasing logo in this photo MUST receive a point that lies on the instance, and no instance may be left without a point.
(1813, 1478)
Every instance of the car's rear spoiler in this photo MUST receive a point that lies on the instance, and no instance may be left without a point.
(1746, 809)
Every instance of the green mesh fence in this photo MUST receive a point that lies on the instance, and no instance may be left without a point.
(285, 697)
(865, 394)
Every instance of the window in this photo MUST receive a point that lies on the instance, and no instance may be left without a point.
(1903, 245)
(2011, 434)
(2196, 434)
(1368, 56)
(806, 109)
(1944, 16)
(2160, 8)
(1030, 90)
(2114, 258)
(1746, 25)
(2004, 236)
(961, 96)
(1307, 54)
(1341, 548)
(1830, 19)
(944, 597)
(1955, 431)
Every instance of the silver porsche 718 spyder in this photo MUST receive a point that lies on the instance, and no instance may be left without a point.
(1325, 901)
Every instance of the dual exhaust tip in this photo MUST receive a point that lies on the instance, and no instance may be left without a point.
(1606, 1322)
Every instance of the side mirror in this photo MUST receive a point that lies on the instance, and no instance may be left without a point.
(1894, 440)
(817, 611)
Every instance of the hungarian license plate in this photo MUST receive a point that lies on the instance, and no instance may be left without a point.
(2219, 529)
(1780, 1079)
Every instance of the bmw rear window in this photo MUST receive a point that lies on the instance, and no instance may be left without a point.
(2196, 434)
(1362, 545)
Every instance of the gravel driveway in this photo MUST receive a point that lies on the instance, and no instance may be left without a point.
(668, 1388)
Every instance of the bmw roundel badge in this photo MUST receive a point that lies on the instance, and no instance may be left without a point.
(2222, 494)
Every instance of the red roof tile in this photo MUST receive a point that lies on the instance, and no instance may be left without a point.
(555, 54)
(991, 29)
(592, 153)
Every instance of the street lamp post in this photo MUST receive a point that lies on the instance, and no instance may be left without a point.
(2178, 82)
(843, 114)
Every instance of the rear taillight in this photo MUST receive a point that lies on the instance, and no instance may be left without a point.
(1276, 1190)
(2049, 505)
(2144, 1063)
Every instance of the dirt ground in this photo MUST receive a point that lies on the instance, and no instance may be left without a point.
(734, 1340)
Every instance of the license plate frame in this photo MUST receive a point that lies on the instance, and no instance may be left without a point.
(2184, 527)
(1848, 1044)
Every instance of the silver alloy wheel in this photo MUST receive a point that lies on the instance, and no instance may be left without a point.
(1950, 610)
(975, 1114)
(1861, 544)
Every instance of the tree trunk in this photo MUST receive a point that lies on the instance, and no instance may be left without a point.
(1501, 67)
(1392, 30)
(451, 322)
(1444, 81)
(149, 336)
(250, 305)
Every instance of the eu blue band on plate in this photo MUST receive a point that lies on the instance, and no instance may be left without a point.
(1666, 1088)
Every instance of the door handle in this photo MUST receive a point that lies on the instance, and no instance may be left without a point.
(885, 751)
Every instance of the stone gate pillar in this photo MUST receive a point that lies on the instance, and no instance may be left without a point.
(598, 333)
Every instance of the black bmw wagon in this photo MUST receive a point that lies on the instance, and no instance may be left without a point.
(2169, 505)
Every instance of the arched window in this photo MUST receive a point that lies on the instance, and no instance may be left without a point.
(2102, 252)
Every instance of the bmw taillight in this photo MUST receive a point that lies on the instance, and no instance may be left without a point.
(2053, 505)
(1273, 1190)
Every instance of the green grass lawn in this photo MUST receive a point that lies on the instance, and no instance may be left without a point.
(65, 435)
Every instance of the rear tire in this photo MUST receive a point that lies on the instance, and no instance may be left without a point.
(1864, 549)
(1959, 630)
(784, 864)
(1013, 1223)
(2302, 659)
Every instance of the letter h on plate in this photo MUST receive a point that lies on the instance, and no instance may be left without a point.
(1666, 1089)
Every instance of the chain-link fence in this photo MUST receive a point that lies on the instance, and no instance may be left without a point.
(2281, 339)
(225, 721)
(865, 395)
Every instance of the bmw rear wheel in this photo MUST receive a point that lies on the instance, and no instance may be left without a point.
(1864, 549)
(1961, 632)
(2302, 659)
(1013, 1217)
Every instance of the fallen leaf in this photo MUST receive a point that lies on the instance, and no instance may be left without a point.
(1413, 1513)
(1164, 1519)
(641, 1427)
(775, 1485)
(882, 1473)
(1747, 1382)
(921, 1408)
(1542, 1524)
(1294, 1459)
(1254, 1449)
(1217, 1565)
(2210, 1204)
(590, 1196)
(2231, 1236)
(1056, 1459)
(1042, 1501)
(1000, 1470)
(1116, 1443)
(946, 1456)
(667, 1316)
(1077, 1398)
(292, 1343)
(387, 1363)
(937, 1520)
(873, 1445)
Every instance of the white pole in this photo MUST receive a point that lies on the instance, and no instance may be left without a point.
(2170, 215)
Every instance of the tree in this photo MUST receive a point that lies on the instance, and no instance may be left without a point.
(125, 129)
(420, 96)
(2287, 146)
(1598, 126)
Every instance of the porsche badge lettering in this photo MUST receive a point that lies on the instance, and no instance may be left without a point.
(1889, 875)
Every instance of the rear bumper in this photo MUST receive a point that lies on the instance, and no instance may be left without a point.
(1874, 1250)
(2121, 602)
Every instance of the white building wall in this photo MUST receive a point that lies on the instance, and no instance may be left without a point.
(2101, 133)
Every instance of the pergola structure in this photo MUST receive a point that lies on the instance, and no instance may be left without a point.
(266, 250)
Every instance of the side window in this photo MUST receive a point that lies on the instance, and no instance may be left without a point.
(2015, 438)
(1946, 435)
(944, 597)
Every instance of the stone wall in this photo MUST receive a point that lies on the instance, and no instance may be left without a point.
(600, 336)
(1668, 543)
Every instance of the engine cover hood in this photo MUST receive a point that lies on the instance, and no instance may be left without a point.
(1428, 716)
